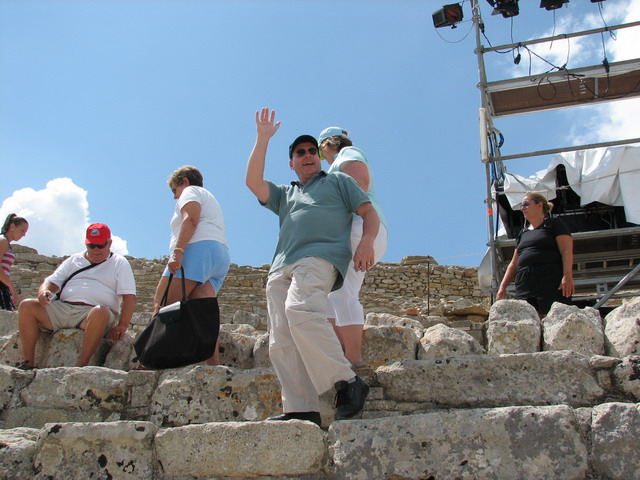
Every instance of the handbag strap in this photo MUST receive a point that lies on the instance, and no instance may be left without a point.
(59, 293)
(163, 301)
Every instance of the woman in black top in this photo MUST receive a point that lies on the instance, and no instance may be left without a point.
(543, 259)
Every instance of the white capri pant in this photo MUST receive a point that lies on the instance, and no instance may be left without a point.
(344, 304)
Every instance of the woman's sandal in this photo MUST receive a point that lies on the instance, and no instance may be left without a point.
(25, 366)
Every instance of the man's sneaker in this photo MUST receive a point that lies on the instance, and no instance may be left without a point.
(308, 416)
(350, 398)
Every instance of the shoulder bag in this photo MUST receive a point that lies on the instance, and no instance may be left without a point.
(180, 334)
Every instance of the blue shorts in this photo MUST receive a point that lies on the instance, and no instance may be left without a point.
(205, 261)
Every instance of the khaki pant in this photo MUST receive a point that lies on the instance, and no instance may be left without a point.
(65, 315)
(303, 348)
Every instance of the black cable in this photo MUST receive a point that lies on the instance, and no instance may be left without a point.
(612, 33)
(463, 38)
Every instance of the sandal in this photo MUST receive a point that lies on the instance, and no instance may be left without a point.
(25, 366)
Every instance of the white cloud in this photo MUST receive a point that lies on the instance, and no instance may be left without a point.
(58, 217)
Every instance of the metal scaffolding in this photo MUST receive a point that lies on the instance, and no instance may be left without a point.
(606, 262)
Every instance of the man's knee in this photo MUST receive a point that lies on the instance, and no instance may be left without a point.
(98, 315)
(27, 305)
(30, 310)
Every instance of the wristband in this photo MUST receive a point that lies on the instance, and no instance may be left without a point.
(178, 249)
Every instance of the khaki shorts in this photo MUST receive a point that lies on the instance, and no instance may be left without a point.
(65, 315)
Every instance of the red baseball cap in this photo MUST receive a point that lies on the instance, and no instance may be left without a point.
(98, 234)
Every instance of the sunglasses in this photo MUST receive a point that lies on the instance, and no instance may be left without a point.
(173, 190)
(526, 203)
(93, 245)
(301, 152)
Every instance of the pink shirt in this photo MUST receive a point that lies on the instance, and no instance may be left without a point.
(7, 260)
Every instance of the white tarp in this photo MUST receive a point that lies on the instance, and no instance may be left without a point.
(606, 175)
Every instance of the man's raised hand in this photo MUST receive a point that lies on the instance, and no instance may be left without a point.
(265, 125)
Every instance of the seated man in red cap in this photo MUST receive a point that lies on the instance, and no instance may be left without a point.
(90, 286)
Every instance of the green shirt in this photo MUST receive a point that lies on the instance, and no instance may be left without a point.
(315, 220)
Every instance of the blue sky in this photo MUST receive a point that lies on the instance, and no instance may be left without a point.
(101, 100)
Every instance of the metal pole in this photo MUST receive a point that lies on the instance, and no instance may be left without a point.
(486, 126)
(561, 36)
(618, 286)
(551, 151)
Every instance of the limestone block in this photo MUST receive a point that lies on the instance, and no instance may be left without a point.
(241, 449)
(12, 382)
(441, 341)
(21, 416)
(236, 344)
(545, 378)
(255, 320)
(11, 349)
(386, 344)
(567, 327)
(141, 319)
(622, 330)
(17, 449)
(541, 443)
(8, 323)
(464, 307)
(64, 349)
(388, 320)
(514, 327)
(600, 361)
(616, 440)
(78, 388)
(116, 450)
(201, 394)
(141, 385)
(122, 353)
(627, 376)
(431, 320)
(583, 417)
(7, 387)
(261, 352)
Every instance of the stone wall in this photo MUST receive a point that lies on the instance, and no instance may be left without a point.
(415, 286)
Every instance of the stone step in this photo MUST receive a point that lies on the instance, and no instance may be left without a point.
(203, 394)
(514, 327)
(524, 442)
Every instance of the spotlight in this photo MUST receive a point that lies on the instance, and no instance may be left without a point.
(553, 4)
(447, 16)
(508, 8)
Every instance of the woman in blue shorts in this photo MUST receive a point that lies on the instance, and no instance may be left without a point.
(197, 243)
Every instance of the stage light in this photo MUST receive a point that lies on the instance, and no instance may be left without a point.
(507, 8)
(552, 4)
(447, 16)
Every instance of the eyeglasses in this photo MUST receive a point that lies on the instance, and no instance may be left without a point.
(173, 190)
(301, 152)
(526, 203)
(93, 245)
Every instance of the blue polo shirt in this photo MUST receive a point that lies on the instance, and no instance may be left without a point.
(315, 220)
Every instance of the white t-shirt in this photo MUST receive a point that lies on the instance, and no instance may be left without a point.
(100, 285)
(211, 223)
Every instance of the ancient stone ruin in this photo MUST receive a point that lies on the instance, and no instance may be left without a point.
(459, 391)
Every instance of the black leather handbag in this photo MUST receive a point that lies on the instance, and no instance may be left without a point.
(180, 334)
